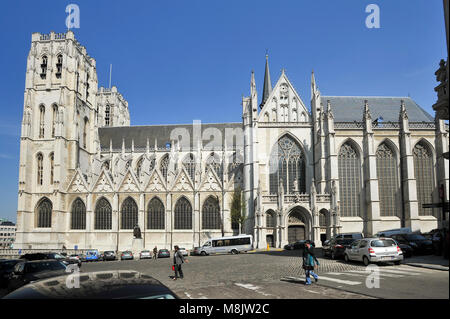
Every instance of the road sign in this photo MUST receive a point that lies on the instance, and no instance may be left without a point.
(76, 247)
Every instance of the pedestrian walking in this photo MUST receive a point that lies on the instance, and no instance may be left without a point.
(155, 253)
(178, 259)
(309, 262)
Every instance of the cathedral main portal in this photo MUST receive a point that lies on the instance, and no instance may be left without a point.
(297, 225)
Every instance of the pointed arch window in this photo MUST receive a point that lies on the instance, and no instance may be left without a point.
(41, 121)
(236, 162)
(103, 215)
(78, 215)
(189, 165)
(59, 61)
(44, 214)
(55, 115)
(52, 168)
(349, 167)
(424, 173)
(164, 166)
(44, 67)
(155, 214)
(211, 214)
(183, 214)
(288, 165)
(107, 115)
(213, 161)
(40, 169)
(85, 129)
(270, 219)
(152, 164)
(129, 214)
(388, 185)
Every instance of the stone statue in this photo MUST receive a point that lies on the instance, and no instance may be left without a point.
(137, 232)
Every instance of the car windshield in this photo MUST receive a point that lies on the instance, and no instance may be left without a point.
(43, 266)
(344, 241)
(7, 264)
(383, 243)
(415, 237)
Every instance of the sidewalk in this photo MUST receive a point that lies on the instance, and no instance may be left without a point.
(429, 261)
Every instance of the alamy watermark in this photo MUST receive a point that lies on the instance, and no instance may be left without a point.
(373, 19)
(73, 18)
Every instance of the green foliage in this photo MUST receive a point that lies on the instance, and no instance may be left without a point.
(238, 208)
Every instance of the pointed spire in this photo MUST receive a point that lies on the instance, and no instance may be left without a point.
(252, 84)
(367, 115)
(267, 84)
(403, 114)
(313, 84)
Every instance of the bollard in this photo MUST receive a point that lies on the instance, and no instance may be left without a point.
(268, 248)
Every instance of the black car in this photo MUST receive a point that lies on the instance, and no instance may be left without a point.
(437, 238)
(335, 248)
(28, 271)
(109, 255)
(418, 243)
(96, 285)
(6, 269)
(163, 253)
(406, 249)
(44, 256)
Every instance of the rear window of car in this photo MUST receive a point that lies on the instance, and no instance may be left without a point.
(43, 266)
(383, 243)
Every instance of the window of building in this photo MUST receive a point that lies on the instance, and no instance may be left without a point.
(164, 166)
(423, 171)
(129, 214)
(103, 214)
(52, 167)
(183, 214)
(214, 162)
(41, 121)
(44, 211)
(155, 214)
(388, 186)
(59, 62)
(270, 218)
(44, 67)
(139, 168)
(55, 115)
(211, 214)
(349, 167)
(40, 169)
(85, 129)
(78, 215)
(189, 165)
(107, 115)
(287, 164)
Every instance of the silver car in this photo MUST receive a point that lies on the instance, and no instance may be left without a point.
(374, 250)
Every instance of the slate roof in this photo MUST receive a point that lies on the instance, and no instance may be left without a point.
(350, 108)
(162, 134)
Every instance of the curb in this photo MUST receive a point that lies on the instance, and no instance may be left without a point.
(434, 267)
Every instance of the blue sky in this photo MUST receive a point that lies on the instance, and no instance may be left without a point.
(175, 61)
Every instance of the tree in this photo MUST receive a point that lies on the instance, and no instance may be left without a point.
(238, 208)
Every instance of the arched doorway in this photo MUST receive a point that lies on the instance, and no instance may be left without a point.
(297, 225)
(270, 241)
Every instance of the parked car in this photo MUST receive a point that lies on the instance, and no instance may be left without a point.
(353, 236)
(335, 248)
(183, 251)
(163, 253)
(389, 233)
(50, 255)
(101, 257)
(374, 250)
(437, 239)
(145, 254)
(195, 251)
(97, 285)
(109, 255)
(418, 243)
(6, 269)
(126, 255)
(406, 249)
(296, 245)
(92, 255)
(28, 271)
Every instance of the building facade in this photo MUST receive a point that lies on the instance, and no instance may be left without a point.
(345, 164)
(7, 234)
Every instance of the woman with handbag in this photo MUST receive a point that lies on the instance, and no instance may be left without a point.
(309, 262)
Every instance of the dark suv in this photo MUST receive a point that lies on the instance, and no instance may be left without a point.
(335, 248)
(6, 269)
(418, 243)
(27, 271)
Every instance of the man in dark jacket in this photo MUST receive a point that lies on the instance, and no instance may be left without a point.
(309, 262)
(178, 259)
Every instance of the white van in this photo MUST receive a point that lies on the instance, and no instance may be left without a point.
(232, 244)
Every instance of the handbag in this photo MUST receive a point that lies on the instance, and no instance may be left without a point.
(173, 267)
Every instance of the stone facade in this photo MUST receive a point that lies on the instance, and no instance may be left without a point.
(87, 177)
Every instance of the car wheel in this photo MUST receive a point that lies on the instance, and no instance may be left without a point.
(346, 258)
(203, 253)
(366, 261)
(234, 251)
(397, 262)
(333, 256)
